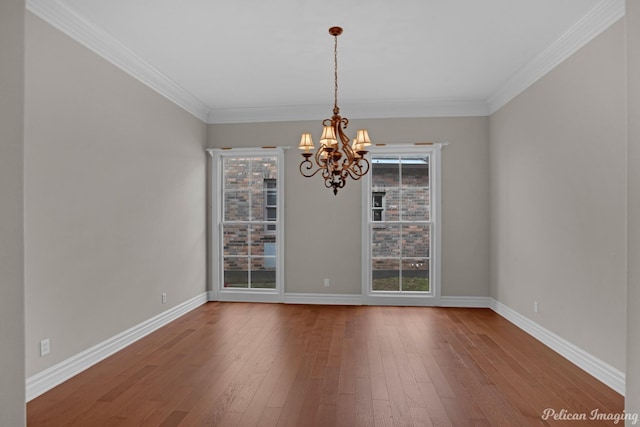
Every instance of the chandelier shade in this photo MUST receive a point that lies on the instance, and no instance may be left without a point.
(335, 159)
(306, 143)
(328, 137)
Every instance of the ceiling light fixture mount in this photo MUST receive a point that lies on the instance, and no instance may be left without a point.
(335, 158)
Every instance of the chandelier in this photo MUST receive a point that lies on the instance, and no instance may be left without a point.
(335, 158)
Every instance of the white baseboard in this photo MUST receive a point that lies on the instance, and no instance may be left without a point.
(290, 298)
(471, 302)
(248, 296)
(604, 372)
(326, 299)
(57, 374)
(357, 299)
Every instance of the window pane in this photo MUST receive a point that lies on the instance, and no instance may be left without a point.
(385, 275)
(236, 173)
(262, 168)
(271, 198)
(236, 205)
(260, 237)
(257, 206)
(415, 275)
(392, 204)
(415, 240)
(263, 272)
(236, 272)
(235, 240)
(385, 172)
(415, 172)
(415, 204)
(385, 241)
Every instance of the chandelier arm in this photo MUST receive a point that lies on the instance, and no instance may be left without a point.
(358, 171)
(341, 124)
(328, 182)
(345, 122)
(353, 174)
(318, 158)
(326, 174)
(308, 165)
(364, 159)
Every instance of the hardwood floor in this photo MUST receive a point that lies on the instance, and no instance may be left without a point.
(241, 364)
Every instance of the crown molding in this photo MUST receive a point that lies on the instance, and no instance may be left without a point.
(437, 107)
(598, 19)
(103, 44)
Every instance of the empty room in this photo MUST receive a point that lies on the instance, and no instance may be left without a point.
(246, 213)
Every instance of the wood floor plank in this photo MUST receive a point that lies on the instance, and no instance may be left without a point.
(271, 385)
(398, 401)
(420, 417)
(376, 370)
(401, 362)
(344, 411)
(173, 419)
(363, 403)
(244, 364)
(382, 414)
(166, 413)
(435, 409)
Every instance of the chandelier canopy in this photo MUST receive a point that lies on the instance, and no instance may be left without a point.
(335, 158)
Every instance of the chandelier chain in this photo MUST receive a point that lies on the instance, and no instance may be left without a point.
(335, 72)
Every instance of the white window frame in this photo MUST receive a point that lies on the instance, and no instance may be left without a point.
(432, 297)
(217, 292)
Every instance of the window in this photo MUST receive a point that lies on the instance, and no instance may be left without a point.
(377, 206)
(401, 223)
(271, 205)
(248, 224)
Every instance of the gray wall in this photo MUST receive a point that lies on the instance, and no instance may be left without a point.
(632, 394)
(321, 226)
(558, 199)
(114, 199)
(12, 391)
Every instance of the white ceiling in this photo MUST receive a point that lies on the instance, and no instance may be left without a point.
(260, 60)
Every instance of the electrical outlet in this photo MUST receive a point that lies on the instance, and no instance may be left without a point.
(164, 297)
(44, 347)
(535, 306)
(326, 282)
